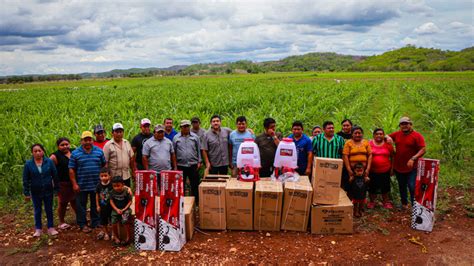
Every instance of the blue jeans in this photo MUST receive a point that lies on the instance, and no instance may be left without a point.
(406, 180)
(38, 201)
(81, 204)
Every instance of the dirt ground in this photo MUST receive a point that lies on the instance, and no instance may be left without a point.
(380, 237)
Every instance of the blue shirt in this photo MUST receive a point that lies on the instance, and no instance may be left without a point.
(171, 135)
(303, 146)
(87, 167)
(235, 139)
(40, 180)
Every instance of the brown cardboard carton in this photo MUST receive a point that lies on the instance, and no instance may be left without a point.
(267, 205)
(332, 219)
(296, 206)
(189, 217)
(239, 205)
(216, 177)
(304, 179)
(326, 180)
(212, 205)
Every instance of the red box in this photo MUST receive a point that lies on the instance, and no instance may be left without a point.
(427, 182)
(171, 228)
(145, 193)
(426, 185)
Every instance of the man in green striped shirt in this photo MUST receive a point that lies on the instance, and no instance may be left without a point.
(328, 145)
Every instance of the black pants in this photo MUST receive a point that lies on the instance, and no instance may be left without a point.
(192, 173)
(219, 170)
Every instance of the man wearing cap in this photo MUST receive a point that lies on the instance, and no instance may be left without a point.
(119, 155)
(196, 127)
(84, 169)
(410, 145)
(158, 152)
(188, 155)
(169, 130)
(236, 138)
(139, 140)
(215, 147)
(100, 138)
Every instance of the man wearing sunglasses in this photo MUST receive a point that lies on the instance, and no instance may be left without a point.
(410, 146)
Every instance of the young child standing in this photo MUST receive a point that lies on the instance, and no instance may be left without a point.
(120, 200)
(40, 180)
(102, 199)
(358, 189)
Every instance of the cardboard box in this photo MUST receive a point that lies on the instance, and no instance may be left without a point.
(189, 217)
(145, 193)
(304, 179)
(239, 205)
(332, 219)
(326, 180)
(216, 177)
(267, 205)
(212, 207)
(297, 199)
(145, 236)
(171, 228)
(426, 185)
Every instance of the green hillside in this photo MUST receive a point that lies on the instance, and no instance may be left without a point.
(411, 58)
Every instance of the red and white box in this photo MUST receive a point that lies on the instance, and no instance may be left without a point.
(145, 225)
(426, 186)
(170, 215)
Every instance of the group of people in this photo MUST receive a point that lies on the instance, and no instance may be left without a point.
(100, 170)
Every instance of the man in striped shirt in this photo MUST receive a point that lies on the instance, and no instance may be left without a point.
(328, 145)
(84, 170)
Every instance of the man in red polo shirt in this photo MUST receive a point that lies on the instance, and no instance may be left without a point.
(410, 145)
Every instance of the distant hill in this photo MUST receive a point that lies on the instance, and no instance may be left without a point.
(307, 62)
(408, 58)
(411, 58)
(152, 71)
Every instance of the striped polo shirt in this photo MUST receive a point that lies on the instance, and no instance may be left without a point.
(328, 149)
(87, 166)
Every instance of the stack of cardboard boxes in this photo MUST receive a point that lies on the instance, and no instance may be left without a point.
(331, 212)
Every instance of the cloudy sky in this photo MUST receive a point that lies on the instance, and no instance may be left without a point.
(74, 36)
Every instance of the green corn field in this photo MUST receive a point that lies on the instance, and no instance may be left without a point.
(440, 104)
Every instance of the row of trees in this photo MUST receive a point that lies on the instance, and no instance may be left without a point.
(35, 78)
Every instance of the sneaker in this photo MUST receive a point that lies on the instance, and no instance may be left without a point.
(52, 231)
(86, 229)
(37, 233)
(64, 226)
(388, 205)
(371, 205)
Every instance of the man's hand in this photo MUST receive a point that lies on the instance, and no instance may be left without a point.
(271, 132)
(308, 171)
(388, 139)
(366, 179)
(76, 188)
(119, 212)
(98, 208)
(410, 163)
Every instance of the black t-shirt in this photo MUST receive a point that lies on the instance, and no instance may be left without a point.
(62, 167)
(345, 136)
(104, 193)
(121, 199)
(137, 143)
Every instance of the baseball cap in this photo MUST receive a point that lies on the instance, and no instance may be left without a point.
(98, 128)
(145, 121)
(185, 123)
(117, 126)
(405, 120)
(86, 134)
(195, 120)
(159, 127)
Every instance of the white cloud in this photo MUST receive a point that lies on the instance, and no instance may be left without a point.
(92, 36)
(427, 28)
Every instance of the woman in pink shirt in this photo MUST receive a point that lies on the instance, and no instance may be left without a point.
(381, 170)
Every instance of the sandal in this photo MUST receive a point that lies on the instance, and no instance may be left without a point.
(106, 237)
(123, 243)
(64, 226)
(100, 235)
(371, 205)
(86, 229)
(388, 205)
